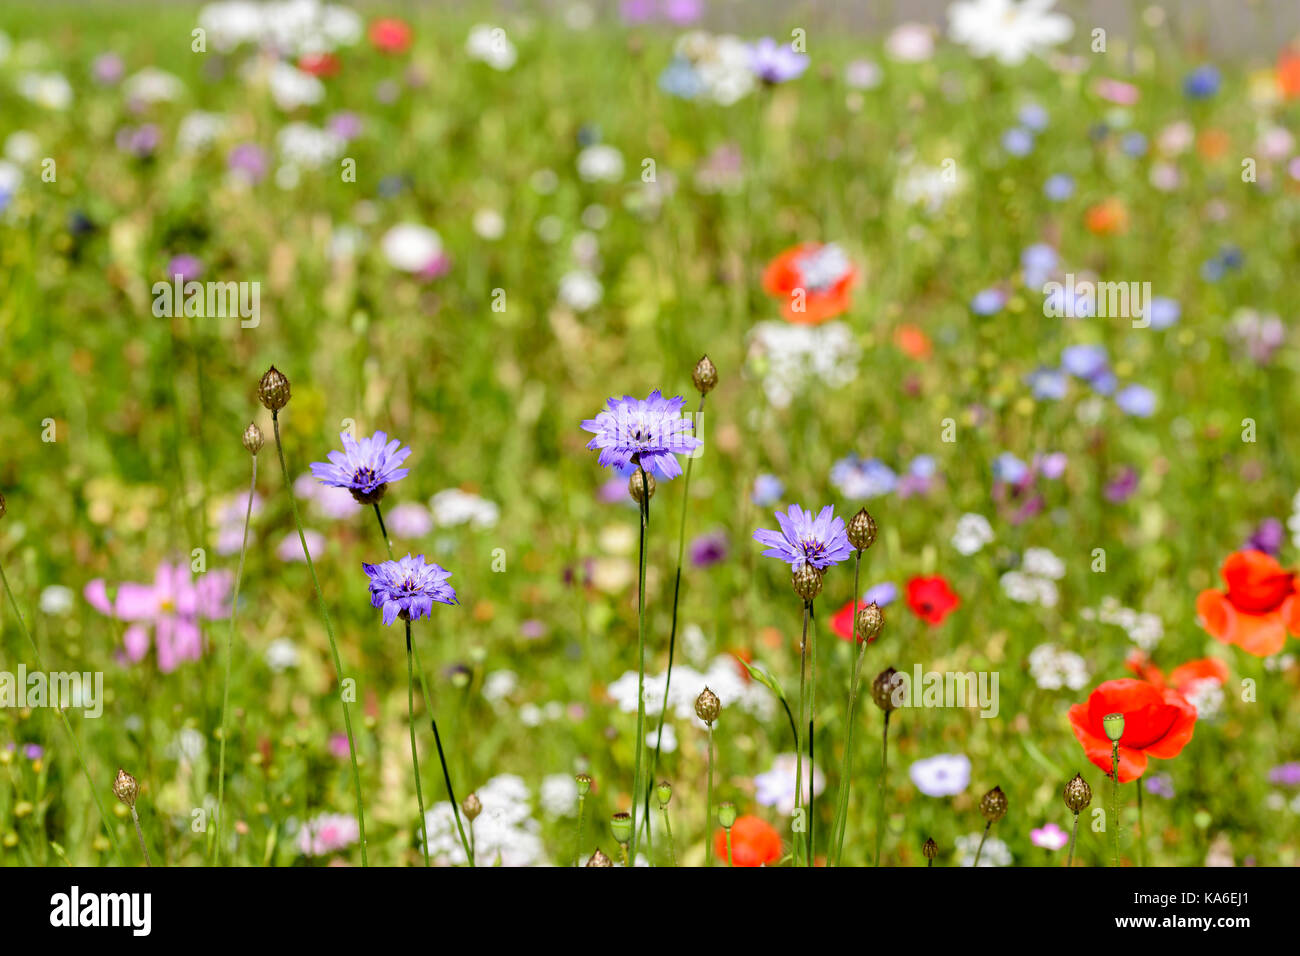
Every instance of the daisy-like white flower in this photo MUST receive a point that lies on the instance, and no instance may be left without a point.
(805, 538)
(1007, 29)
(407, 587)
(364, 467)
(650, 431)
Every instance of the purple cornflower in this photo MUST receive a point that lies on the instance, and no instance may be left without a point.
(818, 540)
(1161, 784)
(1137, 400)
(919, 478)
(1047, 383)
(1122, 486)
(988, 301)
(407, 588)
(1038, 263)
(186, 266)
(364, 467)
(649, 430)
(858, 478)
(33, 751)
(1059, 187)
(1163, 312)
(708, 549)
(767, 490)
(1286, 775)
(774, 62)
(1268, 537)
(248, 162)
(882, 594)
(1018, 141)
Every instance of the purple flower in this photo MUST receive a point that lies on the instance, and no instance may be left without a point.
(139, 141)
(943, 776)
(1007, 467)
(1137, 400)
(920, 477)
(1121, 487)
(410, 520)
(988, 301)
(1018, 141)
(1059, 188)
(1286, 775)
(807, 539)
(1047, 383)
(1034, 117)
(290, 548)
(1049, 837)
(407, 588)
(649, 430)
(248, 162)
(708, 549)
(774, 62)
(346, 125)
(1163, 312)
(856, 477)
(1161, 784)
(767, 490)
(107, 69)
(1268, 537)
(364, 467)
(1084, 361)
(186, 266)
(1038, 262)
(1202, 82)
(33, 751)
(882, 594)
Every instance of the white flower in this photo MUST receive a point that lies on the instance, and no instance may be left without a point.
(973, 532)
(199, 130)
(1007, 29)
(775, 787)
(56, 599)
(559, 795)
(722, 64)
(292, 88)
(22, 147)
(490, 45)
(1053, 667)
(455, 507)
(10, 177)
(499, 685)
(1043, 563)
(580, 290)
(302, 144)
(1206, 696)
(505, 834)
(995, 853)
(789, 357)
(1028, 589)
(930, 186)
(1144, 629)
(600, 163)
(910, 43)
(489, 224)
(281, 655)
(411, 247)
(152, 85)
(293, 26)
(665, 739)
(51, 90)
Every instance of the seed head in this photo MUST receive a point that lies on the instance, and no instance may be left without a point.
(635, 484)
(664, 792)
(727, 814)
(707, 706)
(861, 530)
(930, 850)
(705, 375)
(599, 859)
(126, 788)
(1077, 793)
(620, 824)
(1113, 724)
(273, 389)
(993, 805)
(253, 439)
(882, 689)
(869, 622)
(807, 582)
(471, 806)
(584, 784)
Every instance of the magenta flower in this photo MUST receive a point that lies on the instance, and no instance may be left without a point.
(1049, 837)
(172, 607)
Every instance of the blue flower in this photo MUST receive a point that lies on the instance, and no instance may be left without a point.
(1202, 82)
(774, 62)
(1134, 144)
(819, 540)
(988, 301)
(1047, 383)
(882, 594)
(408, 587)
(650, 430)
(767, 490)
(1033, 117)
(680, 79)
(856, 477)
(1038, 262)
(1163, 312)
(1059, 188)
(363, 467)
(1007, 467)
(1137, 400)
(1018, 141)
(1084, 361)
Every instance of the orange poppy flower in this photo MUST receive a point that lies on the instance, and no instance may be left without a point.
(1259, 607)
(1288, 73)
(1158, 722)
(813, 279)
(754, 842)
(1212, 143)
(1182, 677)
(912, 342)
(1107, 218)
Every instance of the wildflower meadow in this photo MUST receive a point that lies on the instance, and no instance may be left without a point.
(659, 433)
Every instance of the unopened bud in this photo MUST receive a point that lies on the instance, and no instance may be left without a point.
(253, 439)
(882, 689)
(273, 389)
(993, 805)
(472, 806)
(707, 706)
(861, 530)
(126, 788)
(664, 792)
(599, 859)
(636, 484)
(869, 622)
(705, 375)
(930, 850)
(727, 814)
(1077, 793)
(807, 582)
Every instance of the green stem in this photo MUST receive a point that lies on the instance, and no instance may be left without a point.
(135, 818)
(415, 757)
(812, 734)
(1142, 829)
(988, 826)
(329, 631)
(67, 725)
(451, 794)
(668, 829)
(1114, 797)
(798, 744)
(884, 772)
(582, 807)
(728, 831)
(1074, 835)
(842, 802)
(230, 642)
(639, 741)
(708, 806)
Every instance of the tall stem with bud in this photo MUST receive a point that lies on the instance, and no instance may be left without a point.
(707, 708)
(1077, 796)
(807, 584)
(641, 486)
(882, 692)
(993, 807)
(1113, 724)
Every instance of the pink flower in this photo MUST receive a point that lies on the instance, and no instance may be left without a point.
(1116, 91)
(1049, 837)
(174, 604)
(328, 833)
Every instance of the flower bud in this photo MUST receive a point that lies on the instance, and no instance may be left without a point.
(471, 806)
(1077, 793)
(126, 788)
(882, 689)
(807, 582)
(930, 850)
(727, 814)
(993, 805)
(665, 793)
(861, 530)
(273, 389)
(707, 706)
(869, 622)
(584, 784)
(253, 438)
(705, 375)
(1113, 724)
(599, 859)
(635, 484)
(620, 824)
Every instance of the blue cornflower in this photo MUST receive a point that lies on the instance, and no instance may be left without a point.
(1059, 188)
(364, 467)
(988, 301)
(649, 430)
(1137, 400)
(1202, 82)
(1038, 263)
(1134, 144)
(774, 62)
(1032, 116)
(1047, 383)
(1084, 361)
(768, 490)
(819, 540)
(1007, 467)
(1163, 312)
(860, 478)
(1018, 141)
(407, 588)
(882, 594)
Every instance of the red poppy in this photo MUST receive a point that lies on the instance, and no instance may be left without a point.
(1158, 722)
(1288, 73)
(931, 599)
(754, 842)
(319, 64)
(913, 342)
(813, 280)
(1182, 677)
(390, 35)
(1107, 218)
(1258, 608)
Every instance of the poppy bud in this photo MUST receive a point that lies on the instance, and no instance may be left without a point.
(993, 805)
(1113, 724)
(727, 814)
(620, 824)
(861, 530)
(599, 859)
(273, 389)
(126, 788)
(1077, 793)
(705, 376)
(584, 784)
(665, 793)
(807, 582)
(253, 438)
(635, 484)
(930, 850)
(707, 706)
(869, 622)
(882, 689)
(472, 807)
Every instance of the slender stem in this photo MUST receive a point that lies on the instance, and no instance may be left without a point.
(582, 809)
(1074, 835)
(1114, 797)
(812, 733)
(451, 794)
(379, 515)
(708, 806)
(929, 862)
(135, 818)
(329, 632)
(798, 744)
(639, 742)
(415, 757)
(729, 863)
(1142, 830)
(842, 802)
(884, 772)
(67, 725)
(230, 641)
(668, 829)
(988, 826)
(623, 849)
